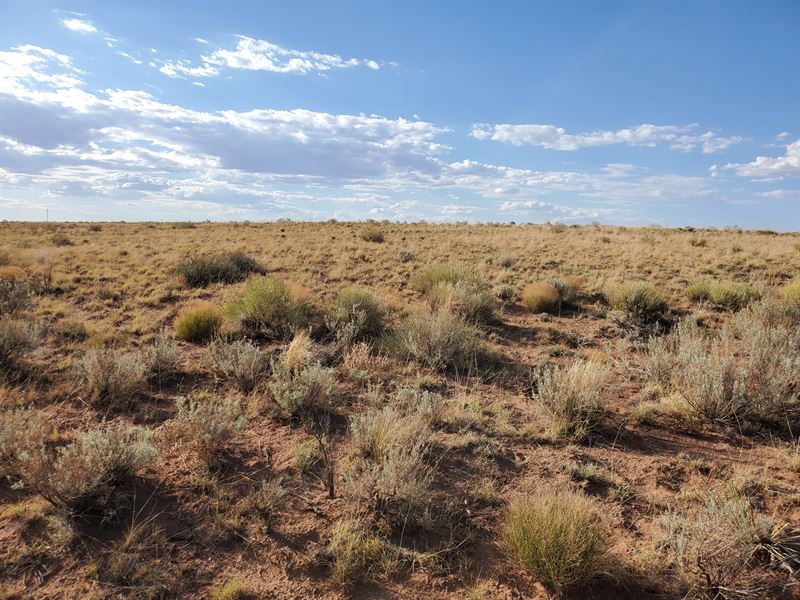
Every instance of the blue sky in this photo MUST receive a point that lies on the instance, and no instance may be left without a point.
(680, 113)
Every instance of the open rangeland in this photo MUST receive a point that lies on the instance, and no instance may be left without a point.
(379, 410)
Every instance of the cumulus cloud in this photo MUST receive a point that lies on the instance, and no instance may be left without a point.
(679, 137)
(79, 25)
(260, 55)
(769, 168)
(128, 146)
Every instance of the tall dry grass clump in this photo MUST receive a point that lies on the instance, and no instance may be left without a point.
(557, 537)
(572, 398)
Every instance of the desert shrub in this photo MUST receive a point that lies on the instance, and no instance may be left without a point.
(557, 537)
(15, 291)
(640, 308)
(95, 227)
(474, 303)
(87, 473)
(22, 431)
(506, 293)
(725, 295)
(161, 355)
(697, 242)
(17, 339)
(747, 373)
(394, 486)
(441, 341)
(542, 297)
(200, 271)
(240, 361)
(716, 551)
(353, 552)
(113, 376)
(61, 240)
(198, 322)
(430, 406)
(358, 309)
(507, 261)
(302, 392)
(379, 434)
(428, 277)
(71, 330)
(269, 305)
(572, 398)
(372, 233)
(210, 421)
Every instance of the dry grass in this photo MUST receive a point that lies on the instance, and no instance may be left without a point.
(413, 434)
(556, 537)
(198, 322)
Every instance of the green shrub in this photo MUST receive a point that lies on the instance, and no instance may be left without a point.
(304, 391)
(359, 310)
(572, 398)
(557, 537)
(268, 305)
(114, 377)
(201, 271)
(639, 308)
(198, 322)
(725, 295)
(428, 277)
(441, 341)
(211, 421)
(241, 362)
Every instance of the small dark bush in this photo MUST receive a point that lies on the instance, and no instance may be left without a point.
(200, 271)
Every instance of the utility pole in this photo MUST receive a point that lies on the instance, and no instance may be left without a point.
(47, 218)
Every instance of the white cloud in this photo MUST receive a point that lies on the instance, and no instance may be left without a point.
(768, 168)
(782, 136)
(79, 25)
(200, 40)
(778, 194)
(679, 137)
(260, 55)
(128, 146)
